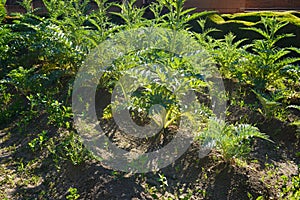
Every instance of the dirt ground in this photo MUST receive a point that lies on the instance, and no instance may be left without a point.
(36, 175)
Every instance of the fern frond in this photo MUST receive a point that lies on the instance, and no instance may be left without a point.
(263, 33)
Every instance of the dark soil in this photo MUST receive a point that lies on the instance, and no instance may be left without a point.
(206, 178)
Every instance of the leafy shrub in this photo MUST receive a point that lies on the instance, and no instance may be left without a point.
(261, 63)
(84, 27)
(39, 141)
(14, 88)
(59, 41)
(6, 37)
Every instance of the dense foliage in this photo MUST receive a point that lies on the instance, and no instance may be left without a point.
(40, 56)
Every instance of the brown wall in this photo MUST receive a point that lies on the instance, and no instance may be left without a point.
(231, 6)
(291, 4)
(223, 6)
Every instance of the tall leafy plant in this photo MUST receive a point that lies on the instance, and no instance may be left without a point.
(130, 14)
(264, 66)
(82, 25)
(204, 37)
(100, 22)
(40, 42)
(227, 53)
(178, 17)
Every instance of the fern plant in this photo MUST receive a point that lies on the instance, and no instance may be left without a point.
(130, 14)
(228, 54)
(269, 105)
(232, 141)
(178, 17)
(204, 37)
(264, 67)
(26, 4)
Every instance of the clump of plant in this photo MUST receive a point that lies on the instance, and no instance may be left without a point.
(270, 106)
(291, 188)
(41, 42)
(38, 142)
(228, 53)
(262, 64)
(156, 87)
(232, 141)
(265, 67)
(59, 41)
(59, 115)
(177, 17)
(72, 194)
(69, 148)
(204, 37)
(131, 15)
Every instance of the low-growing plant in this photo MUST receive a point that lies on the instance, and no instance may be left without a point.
(296, 122)
(39, 141)
(72, 194)
(270, 105)
(290, 190)
(59, 115)
(72, 149)
(232, 141)
(20, 79)
(5, 96)
(163, 181)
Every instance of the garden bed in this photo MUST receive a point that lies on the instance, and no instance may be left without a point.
(253, 152)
